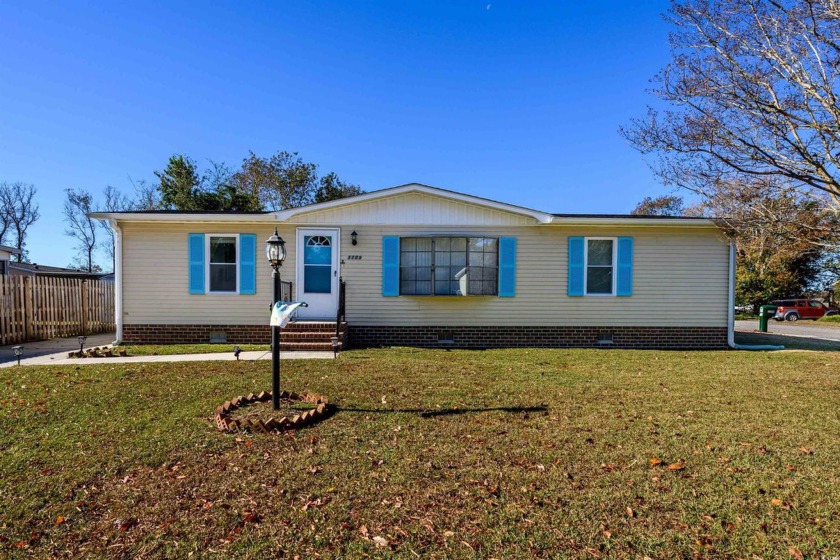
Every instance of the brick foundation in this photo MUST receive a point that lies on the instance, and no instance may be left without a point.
(195, 334)
(670, 338)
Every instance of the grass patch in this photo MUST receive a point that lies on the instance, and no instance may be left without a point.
(170, 349)
(461, 454)
(830, 320)
(745, 317)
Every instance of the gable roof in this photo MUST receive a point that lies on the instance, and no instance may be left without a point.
(284, 215)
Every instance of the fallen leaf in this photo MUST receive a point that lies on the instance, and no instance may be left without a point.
(776, 502)
(676, 467)
(795, 553)
(59, 520)
(250, 517)
(807, 450)
(655, 461)
(630, 512)
(448, 534)
(380, 541)
(249, 443)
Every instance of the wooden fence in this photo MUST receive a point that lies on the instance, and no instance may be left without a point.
(40, 307)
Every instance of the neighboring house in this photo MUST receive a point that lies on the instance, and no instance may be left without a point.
(33, 269)
(6, 254)
(429, 267)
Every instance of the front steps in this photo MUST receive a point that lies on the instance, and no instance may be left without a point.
(312, 336)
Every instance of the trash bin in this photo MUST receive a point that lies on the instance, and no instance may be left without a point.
(765, 312)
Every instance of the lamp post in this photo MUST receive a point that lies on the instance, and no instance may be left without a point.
(81, 340)
(275, 252)
(18, 351)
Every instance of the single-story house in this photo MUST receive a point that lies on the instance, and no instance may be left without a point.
(420, 266)
(34, 269)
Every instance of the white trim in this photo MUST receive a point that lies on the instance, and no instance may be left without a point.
(607, 221)
(118, 280)
(730, 298)
(207, 237)
(586, 241)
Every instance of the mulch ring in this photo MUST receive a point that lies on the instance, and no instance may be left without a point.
(234, 417)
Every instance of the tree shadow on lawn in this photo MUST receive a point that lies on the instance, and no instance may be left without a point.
(427, 413)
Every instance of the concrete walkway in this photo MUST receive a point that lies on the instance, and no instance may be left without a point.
(54, 352)
(55, 346)
(61, 359)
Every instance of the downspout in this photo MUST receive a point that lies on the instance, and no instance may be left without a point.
(730, 316)
(118, 280)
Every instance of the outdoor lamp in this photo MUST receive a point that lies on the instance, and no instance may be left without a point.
(275, 250)
(353, 237)
(334, 342)
(18, 351)
(82, 340)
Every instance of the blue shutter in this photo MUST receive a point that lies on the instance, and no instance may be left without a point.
(247, 263)
(624, 278)
(507, 266)
(577, 246)
(390, 265)
(196, 263)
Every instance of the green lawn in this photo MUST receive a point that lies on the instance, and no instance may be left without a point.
(169, 349)
(830, 320)
(460, 454)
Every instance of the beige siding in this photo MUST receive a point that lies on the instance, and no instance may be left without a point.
(680, 279)
(413, 208)
(155, 276)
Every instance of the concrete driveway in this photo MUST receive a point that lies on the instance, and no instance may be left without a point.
(807, 329)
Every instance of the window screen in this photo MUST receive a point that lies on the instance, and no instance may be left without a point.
(222, 264)
(599, 266)
(449, 266)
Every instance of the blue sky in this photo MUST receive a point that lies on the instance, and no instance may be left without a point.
(516, 101)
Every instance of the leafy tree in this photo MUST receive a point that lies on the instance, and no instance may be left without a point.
(180, 185)
(667, 205)
(280, 181)
(19, 212)
(752, 100)
(78, 205)
(330, 187)
(783, 241)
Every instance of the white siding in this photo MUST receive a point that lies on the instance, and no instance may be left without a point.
(412, 209)
(680, 279)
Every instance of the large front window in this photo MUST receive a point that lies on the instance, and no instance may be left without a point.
(600, 267)
(222, 263)
(449, 266)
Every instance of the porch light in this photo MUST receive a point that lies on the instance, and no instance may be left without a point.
(353, 237)
(275, 250)
(18, 351)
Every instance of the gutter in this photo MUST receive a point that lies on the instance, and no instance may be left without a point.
(730, 314)
(118, 279)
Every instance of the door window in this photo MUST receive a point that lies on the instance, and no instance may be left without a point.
(317, 264)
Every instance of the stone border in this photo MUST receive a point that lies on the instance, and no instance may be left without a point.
(224, 422)
(97, 352)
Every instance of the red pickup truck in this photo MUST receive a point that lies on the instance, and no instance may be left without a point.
(795, 309)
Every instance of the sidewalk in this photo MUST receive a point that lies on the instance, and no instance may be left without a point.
(61, 359)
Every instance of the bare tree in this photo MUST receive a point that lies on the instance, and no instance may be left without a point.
(77, 208)
(19, 211)
(146, 195)
(752, 99)
(114, 201)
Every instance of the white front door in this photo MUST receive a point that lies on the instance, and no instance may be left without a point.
(317, 272)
